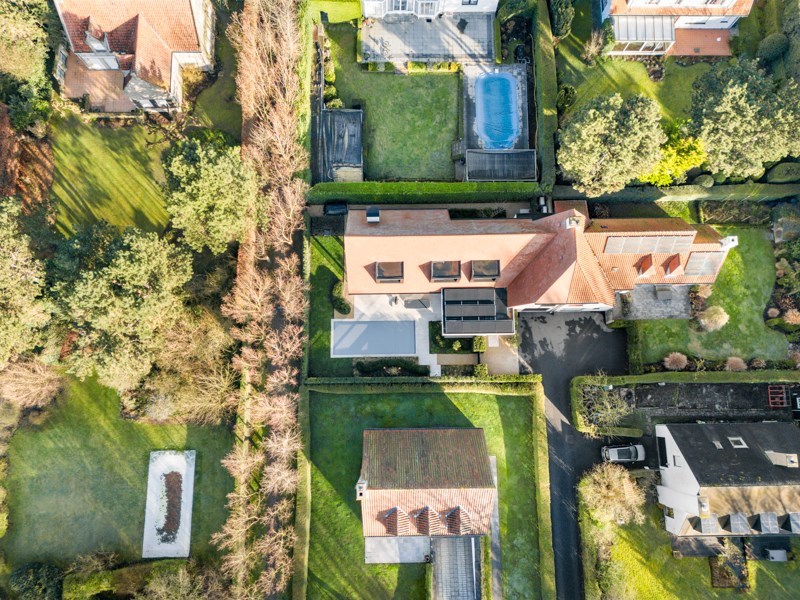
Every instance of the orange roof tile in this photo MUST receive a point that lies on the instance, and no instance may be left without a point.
(740, 8)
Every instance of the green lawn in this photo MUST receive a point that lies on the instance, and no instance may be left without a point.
(621, 76)
(743, 288)
(77, 483)
(338, 11)
(216, 106)
(327, 267)
(645, 555)
(336, 556)
(105, 173)
(410, 121)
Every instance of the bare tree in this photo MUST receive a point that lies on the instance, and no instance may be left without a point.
(29, 384)
(611, 495)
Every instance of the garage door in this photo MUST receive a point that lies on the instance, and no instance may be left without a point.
(372, 338)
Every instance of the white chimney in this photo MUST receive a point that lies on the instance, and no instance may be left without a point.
(361, 488)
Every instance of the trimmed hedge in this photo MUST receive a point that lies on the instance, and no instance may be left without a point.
(422, 192)
(745, 191)
(513, 385)
(546, 92)
(123, 581)
(340, 304)
(541, 469)
(784, 173)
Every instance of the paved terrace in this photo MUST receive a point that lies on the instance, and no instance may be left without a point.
(463, 38)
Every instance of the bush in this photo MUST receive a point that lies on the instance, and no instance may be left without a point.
(340, 304)
(416, 67)
(758, 364)
(705, 181)
(37, 581)
(704, 291)
(334, 104)
(330, 72)
(675, 361)
(391, 367)
(329, 92)
(566, 97)
(713, 318)
(457, 345)
(735, 364)
(562, 13)
(481, 370)
(787, 172)
(593, 47)
(479, 343)
(193, 81)
(772, 47)
(792, 316)
(773, 312)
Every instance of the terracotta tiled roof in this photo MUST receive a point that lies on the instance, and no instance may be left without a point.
(740, 8)
(416, 484)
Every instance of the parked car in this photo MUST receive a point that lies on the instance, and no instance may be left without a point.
(625, 453)
(335, 209)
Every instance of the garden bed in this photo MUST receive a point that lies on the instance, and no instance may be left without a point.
(168, 514)
(446, 345)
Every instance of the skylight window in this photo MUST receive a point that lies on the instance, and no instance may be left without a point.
(737, 442)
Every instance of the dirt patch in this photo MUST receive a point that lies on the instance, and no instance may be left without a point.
(9, 154)
(35, 176)
(727, 573)
(173, 492)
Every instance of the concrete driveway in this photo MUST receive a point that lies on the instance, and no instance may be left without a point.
(562, 346)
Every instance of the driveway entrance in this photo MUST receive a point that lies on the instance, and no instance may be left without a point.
(562, 346)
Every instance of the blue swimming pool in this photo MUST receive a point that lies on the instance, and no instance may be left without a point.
(496, 110)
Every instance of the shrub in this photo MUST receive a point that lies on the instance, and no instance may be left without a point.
(340, 304)
(675, 361)
(612, 496)
(773, 312)
(457, 345)
(705, 180)
(479, 343)
(772, 47)
(481, 370)
(329, 92)
(787, 172)
(713, 318)
(704, 291)
(416, 67)
(193, 81)
(758, 363)
(334, 104)
(561, 13)
(792, 316)
(593, 47)
(566, 96)
(37, 581)
(735, 364)
(330, 72)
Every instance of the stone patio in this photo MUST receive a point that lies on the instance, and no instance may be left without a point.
(654, 302)
(460, 37)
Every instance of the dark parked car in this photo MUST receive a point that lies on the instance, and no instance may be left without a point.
(626, 453)
(335, 209)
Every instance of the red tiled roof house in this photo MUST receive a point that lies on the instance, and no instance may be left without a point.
(129, 54)
(674, 27)
(415, 485)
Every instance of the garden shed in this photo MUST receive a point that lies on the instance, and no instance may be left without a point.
(341, 145)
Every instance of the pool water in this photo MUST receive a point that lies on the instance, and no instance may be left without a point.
(496, 110)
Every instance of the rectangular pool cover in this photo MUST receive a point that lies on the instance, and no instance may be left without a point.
(496, 110)
(351, 338)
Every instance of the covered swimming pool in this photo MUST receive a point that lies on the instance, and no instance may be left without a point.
(497, 115)
(352, 338)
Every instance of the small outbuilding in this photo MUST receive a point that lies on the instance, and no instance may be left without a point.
(341, 145)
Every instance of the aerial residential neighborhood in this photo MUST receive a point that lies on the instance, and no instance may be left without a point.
(414, 299)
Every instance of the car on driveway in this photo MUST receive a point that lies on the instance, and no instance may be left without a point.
(335, 209)
(626, 453)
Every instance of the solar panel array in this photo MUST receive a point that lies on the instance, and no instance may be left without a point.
(703, 264)
(648, 244)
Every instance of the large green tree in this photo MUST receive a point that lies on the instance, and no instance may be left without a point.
(679, 154)
(744, 119)
(210, 193)
(128, 292)
(23, 310)
(609, 142)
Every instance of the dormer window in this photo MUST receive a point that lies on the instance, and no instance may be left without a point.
(389, 272)
(96, 44)
(737, 442)
(485, 270)
(446, 270)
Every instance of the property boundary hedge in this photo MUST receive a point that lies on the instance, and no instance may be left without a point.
(576, 399)
(422, 192)
(123, 580)
(520, 385)
(764, 192)
(302, 511)
(541, 469)
(546, 82)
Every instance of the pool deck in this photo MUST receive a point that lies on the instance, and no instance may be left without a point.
(471, 74)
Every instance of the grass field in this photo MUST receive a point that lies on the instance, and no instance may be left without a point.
(105, 173)
(410, 121)
(77, 483)
(336, 557)
(743, 288)
(621, 76)
(327, 267)
(645, 556)
(338, 11)
(216, 106)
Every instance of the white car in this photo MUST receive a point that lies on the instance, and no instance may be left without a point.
(626, 453)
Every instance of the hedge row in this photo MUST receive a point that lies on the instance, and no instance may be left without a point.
(576, 402)
(546, 82)
(124, 581)
(302, 514)
(764, 192)
(422, 192)
(493, 384)
(541, 466)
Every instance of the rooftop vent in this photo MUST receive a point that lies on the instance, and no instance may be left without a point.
(373, 214)
(729, 242)
(782, 459)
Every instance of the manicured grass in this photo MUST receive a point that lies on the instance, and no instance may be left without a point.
(645, 557)
(336, 557)
(743, 288)
(105, 173)
(410, 121)
(216, 106)
(338, 11)
(77, 484)
(327, 267)
(673, 93)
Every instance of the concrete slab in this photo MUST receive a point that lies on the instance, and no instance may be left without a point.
(502, 359)
(412, 549)
(351, 338)
(168, 518)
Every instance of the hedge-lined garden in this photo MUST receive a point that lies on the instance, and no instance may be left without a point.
(422, 192)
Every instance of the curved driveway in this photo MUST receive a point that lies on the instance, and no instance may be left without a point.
(562, 346)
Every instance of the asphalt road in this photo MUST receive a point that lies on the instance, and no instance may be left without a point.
(560, 347)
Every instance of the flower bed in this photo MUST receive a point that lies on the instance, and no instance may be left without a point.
(168, 514)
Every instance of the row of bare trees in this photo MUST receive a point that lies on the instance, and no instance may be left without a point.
(267, 305)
